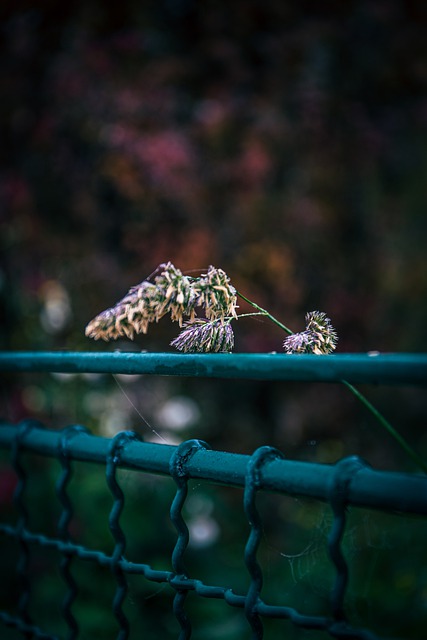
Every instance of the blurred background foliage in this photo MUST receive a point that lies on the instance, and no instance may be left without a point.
(284, 142)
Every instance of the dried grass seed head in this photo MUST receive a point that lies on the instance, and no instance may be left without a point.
(147, 302)
(204, 336)
(216, 294)
(175, 294)
(109, 325)
(324, 335)
(319, 337)
(299, 343)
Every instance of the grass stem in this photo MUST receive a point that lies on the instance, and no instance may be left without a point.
(265, 313)
(386, 424)
(373, 410)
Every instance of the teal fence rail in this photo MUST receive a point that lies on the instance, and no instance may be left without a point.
(351, 481)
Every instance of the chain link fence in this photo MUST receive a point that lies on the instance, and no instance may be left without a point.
(349, 482)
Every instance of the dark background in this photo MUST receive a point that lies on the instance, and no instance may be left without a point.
(284, 142)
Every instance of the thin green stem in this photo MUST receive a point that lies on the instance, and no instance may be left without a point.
(247, 315)
(381, 419)
(386, 424)
(265, 313)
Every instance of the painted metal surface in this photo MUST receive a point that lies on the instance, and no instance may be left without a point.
(355, 368)
(384, 490)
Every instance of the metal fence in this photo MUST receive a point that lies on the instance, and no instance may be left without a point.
(350, 481)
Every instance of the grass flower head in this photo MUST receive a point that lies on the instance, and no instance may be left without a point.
(299, 343)
(174, 294)
(147, 302)
(319, 337)
(216, 294)
(324, 335)
(205, 336)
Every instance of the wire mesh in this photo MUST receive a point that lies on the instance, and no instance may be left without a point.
(351, 481)
(341, 477)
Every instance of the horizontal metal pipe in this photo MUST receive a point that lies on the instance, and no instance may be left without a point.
(383, 490)
(355, 368)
